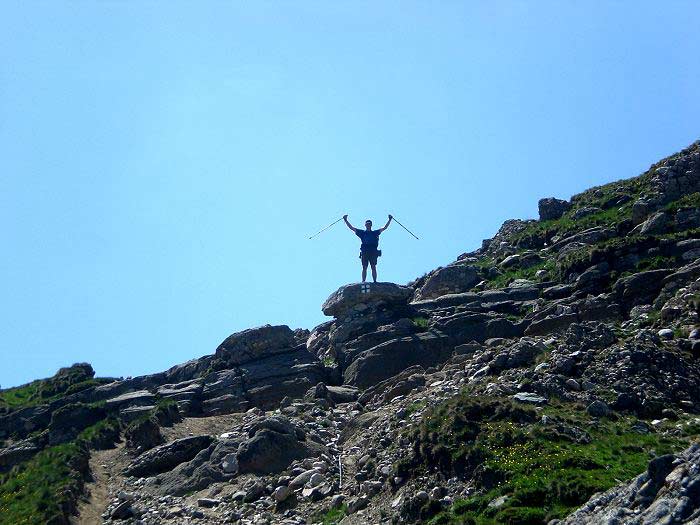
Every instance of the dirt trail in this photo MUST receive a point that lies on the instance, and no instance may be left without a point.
(214, 425)
(105, 466)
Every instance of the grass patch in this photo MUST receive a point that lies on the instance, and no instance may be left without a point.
(332, 516)
(102, 434)
(539, 233)
(509, 275)
(415, 406)
(420, 322)
(615, 201)
(691, 200)
(656, 262)
(611, 251)
(545, 470)
(328, 361)
(67, 381)
(44, 489)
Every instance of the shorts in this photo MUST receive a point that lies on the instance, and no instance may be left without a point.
(369, 257)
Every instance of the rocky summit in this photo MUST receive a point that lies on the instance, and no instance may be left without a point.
(551, 376)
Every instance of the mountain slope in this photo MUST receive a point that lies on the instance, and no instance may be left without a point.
(510, 386)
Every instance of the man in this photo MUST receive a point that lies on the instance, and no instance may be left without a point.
(369, 251)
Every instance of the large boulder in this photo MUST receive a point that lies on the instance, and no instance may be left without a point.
(260, 372)
(188, 370)
(355, 297)
(388, 359)
(464, 327)
(640, 288)
(657, 223)
(212, 464)
(165, 457)
(225, 382)
(678, 175)
(551, 208)
(456, 278)
(347, 352)
(143, 434)
(270, 380)
(274, 444)
(254, 343)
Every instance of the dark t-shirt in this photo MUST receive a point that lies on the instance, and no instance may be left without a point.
(370, 239)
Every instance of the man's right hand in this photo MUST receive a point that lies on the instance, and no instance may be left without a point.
(345, 216)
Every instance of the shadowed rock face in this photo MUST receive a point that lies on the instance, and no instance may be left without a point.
(355, 297)
(165, 457)
(551, 208)
(390, 358)
(255, 343)
(269, 451)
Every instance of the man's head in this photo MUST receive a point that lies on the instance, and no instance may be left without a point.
(368, 224)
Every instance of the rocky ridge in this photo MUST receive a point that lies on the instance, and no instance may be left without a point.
(527, 382)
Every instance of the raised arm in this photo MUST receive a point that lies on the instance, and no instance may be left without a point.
(387, 223)
(345, 218)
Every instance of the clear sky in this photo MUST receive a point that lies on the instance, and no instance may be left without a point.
(163, 163)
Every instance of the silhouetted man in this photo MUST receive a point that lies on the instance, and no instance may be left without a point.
(369, 251)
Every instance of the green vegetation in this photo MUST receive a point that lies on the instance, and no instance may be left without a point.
(543, 469)
(415, 406)
(332, 516)
(511, 274)
(537, 233)
(690, 428)
(41, 490)
(45, 488)
(691, 200)
(614, 200)
(506, 276)
(655, 263)
(328, 361)
(102, 434)
(420, 322)
(165, 412)
(611, 251)
(67, 381)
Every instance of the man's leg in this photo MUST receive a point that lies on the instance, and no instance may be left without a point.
(374, 273)
(364, 270)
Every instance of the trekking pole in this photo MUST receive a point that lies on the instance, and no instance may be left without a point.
(324, 229)
(404, 227)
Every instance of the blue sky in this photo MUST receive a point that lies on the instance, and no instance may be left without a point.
(163, 163)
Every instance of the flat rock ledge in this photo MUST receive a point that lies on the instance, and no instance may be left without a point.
(356, 297)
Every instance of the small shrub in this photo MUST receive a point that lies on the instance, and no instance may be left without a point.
(421, 322)
(332, 516)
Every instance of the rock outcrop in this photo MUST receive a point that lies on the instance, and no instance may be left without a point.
(355, 298)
